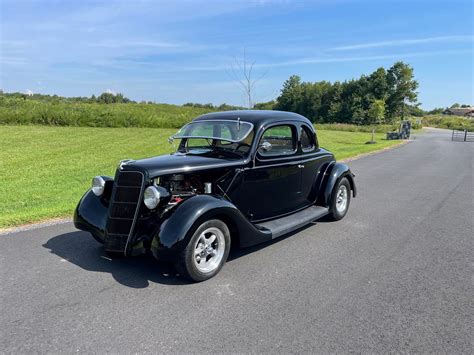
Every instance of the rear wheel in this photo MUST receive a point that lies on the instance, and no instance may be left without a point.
(206, 251)
(340, 200)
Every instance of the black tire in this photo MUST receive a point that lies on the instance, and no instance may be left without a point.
(335, 212)
(187, 264)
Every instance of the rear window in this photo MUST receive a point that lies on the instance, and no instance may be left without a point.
(307, 140)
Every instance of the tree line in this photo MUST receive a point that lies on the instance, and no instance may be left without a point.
(381, 97)
(104, 98)
(109, 98)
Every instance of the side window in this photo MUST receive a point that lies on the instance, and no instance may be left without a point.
(307, 139)
(281, 138)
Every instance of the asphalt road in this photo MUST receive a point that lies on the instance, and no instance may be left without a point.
(395, 275)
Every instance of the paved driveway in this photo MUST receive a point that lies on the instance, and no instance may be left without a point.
(394, 275)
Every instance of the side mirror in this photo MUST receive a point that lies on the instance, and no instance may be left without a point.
(170, 140)
(266, 146)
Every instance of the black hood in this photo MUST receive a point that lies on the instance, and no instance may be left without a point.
(179, 163)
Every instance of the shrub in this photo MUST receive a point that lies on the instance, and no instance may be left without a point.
(449, 122)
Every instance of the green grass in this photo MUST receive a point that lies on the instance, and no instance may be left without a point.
(349, 144)
(381, 128)
(16, 111)
(45, 170)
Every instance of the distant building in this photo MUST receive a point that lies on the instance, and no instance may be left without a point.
(460, 111)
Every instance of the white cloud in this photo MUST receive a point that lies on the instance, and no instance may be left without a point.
(136, 43)
(399, 56)
(403, 42)
(223, 66)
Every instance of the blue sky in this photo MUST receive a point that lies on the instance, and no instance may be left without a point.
(182, 51)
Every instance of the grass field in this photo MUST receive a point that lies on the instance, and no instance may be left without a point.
(15, 111)
(45, 170)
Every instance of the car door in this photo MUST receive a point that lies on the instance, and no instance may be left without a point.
(313, 162)
(273, 186)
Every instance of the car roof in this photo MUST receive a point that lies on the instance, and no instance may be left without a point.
(257, 117)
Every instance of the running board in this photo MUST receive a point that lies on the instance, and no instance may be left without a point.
(285, 225)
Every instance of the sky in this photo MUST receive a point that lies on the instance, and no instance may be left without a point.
(185, 51)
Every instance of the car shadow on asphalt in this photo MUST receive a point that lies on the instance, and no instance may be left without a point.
(80, 249)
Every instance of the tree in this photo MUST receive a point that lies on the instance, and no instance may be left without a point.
(402, 89)
(378, 85)
(106, 98)
(265, 105)
(110, 98)
(415, 110)
(436, 111)
(291, 95)
(376, 112)
(350, 101)
(242, 71)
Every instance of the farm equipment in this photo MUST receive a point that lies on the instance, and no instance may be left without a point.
(403, 131)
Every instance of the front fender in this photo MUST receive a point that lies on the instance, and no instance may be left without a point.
(335, 173)
(91, 215)
(176, 231)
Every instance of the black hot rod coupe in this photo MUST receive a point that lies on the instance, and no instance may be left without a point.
(240, 177)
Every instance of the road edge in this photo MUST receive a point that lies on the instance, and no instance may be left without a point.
(35, 225)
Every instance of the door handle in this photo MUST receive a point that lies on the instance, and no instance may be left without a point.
(301, 166)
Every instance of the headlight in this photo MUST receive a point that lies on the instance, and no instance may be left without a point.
(98, 185)
(151, 197)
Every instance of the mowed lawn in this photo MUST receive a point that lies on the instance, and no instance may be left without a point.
(45, 170)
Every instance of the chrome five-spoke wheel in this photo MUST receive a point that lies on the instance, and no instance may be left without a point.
(206, 251)
(209, 250)
(341, 199)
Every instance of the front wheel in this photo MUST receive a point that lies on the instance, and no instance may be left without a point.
(340, 200)
(206, 252)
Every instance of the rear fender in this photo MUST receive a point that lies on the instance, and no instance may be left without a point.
(334, 174)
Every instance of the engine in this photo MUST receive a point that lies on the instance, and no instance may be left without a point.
(180, 184)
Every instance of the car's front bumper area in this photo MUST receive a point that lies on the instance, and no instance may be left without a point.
(91, 216)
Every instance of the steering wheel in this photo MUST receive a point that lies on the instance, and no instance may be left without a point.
(241, 145)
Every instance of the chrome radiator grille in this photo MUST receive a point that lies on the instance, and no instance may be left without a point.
(123, 209)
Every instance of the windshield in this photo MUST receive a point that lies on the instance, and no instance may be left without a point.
(220, 138)
(230, 131)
